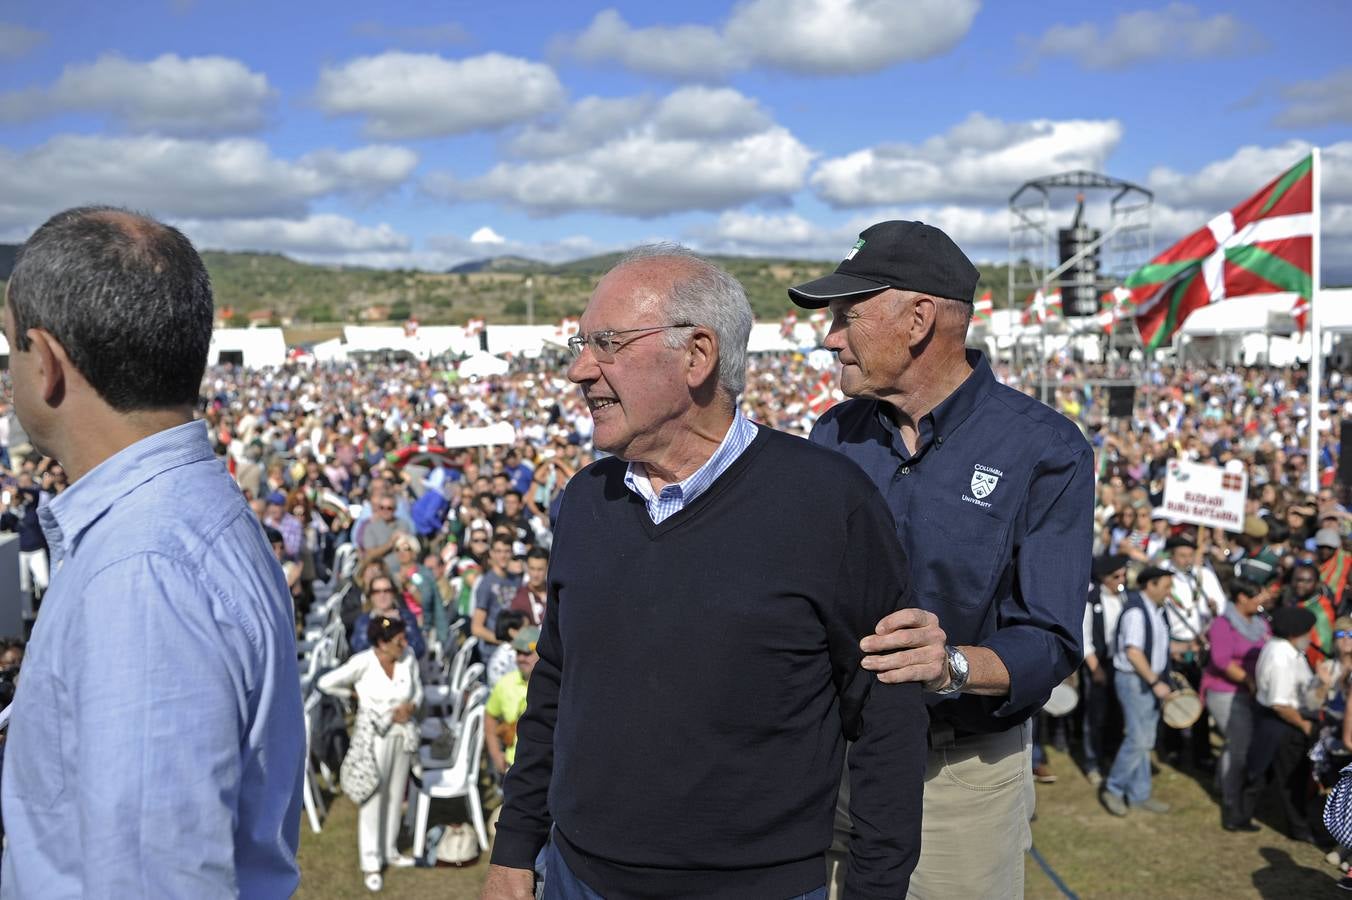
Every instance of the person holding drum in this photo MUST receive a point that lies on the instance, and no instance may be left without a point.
(1142, 668)
(1237, 637)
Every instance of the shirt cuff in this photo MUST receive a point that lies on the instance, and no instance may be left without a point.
(515, 849)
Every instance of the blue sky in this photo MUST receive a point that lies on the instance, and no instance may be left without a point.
(424, 134)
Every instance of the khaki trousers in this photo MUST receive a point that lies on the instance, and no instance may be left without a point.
(975, 822)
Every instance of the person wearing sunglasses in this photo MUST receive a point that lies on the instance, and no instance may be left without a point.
(384, 599)
(699, 666)
(381, 534)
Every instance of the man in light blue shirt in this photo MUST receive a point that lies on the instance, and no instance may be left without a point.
(157, 742)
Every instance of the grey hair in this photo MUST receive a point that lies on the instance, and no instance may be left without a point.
(705, 294)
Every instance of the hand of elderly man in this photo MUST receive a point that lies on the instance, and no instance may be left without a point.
(503, 883)
(908, 645)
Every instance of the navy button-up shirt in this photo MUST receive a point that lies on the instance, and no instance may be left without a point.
(994, 512)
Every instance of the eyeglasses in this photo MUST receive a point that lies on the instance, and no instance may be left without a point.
(384, 590)
(384, 508)
(603, 344)
(1342, 634)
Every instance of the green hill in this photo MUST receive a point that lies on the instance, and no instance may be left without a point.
(495, 290)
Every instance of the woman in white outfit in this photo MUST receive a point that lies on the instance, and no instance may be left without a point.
(385, 681)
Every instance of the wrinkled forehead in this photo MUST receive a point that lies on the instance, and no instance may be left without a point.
(627, 296)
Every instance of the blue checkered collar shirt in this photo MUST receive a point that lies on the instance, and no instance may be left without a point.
(673, 498)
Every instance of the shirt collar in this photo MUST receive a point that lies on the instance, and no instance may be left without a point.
(738, 436)
(67, 517)
(952, 411)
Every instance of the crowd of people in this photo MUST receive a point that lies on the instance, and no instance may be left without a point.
(456, 542)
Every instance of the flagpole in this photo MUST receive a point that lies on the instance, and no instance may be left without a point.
(1316, 338)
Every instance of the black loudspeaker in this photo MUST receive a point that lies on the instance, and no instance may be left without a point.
(1121, 401)
(1345, 457)
(483, 339)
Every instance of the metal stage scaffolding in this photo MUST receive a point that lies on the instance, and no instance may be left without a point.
(1080, 234)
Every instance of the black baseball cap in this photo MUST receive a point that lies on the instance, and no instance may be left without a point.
(1291, 621)
(909, 256)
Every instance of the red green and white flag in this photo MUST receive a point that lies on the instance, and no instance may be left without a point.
(1113, 305)
(1054, 306)
(981, 310)
(1041, 307)
(1300, 312)
(1261, 246)
(1034, 309)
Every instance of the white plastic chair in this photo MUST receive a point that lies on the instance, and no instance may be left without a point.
(442, 696)
(344, 563)
(461, 779)
(314, 801)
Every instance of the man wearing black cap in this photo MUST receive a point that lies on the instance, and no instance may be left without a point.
(992, 496)
(1142, 664)
(1281, 729)
(1101, 714)
(1195, 601)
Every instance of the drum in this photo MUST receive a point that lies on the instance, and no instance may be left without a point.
(1183, 707)
(1063, 700)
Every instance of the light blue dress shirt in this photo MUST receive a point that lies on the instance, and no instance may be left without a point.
(673, 498)
(157, 741)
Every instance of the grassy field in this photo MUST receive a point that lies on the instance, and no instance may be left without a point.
(1183, 854)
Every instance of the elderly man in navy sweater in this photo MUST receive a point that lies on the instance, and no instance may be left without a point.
(699, 669)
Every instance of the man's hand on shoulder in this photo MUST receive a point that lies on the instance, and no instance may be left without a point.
(908, 645)
(503, 883)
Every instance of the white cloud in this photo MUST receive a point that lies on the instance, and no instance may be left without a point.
(982, 233)
(187, 179)
(819, 37)
(1327, 101)
(701, 112)
(841, 37)
(412, 95)
(681, 51)
(486, 235)
(980, 160)
(316, 236)
(1221, 184)
(665, 161)
(17, 40)
(588, 122)
(1179, 30)
(169, 94)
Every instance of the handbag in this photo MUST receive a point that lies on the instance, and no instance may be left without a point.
(359, 777)
(458, 846)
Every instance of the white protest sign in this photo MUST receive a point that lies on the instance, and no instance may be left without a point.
(1206, 495)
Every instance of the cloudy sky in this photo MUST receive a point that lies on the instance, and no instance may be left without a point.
(424, 134)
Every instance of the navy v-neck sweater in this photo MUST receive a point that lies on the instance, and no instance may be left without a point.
(686, 722)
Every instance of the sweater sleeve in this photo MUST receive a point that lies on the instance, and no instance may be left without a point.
(524, 824)
(887, 722)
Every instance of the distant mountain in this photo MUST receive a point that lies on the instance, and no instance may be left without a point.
(494, 288)
(506, 263)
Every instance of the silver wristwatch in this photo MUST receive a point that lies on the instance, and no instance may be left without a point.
(958, 671)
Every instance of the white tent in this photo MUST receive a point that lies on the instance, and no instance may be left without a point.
(253, 348)
(482, 365)
(331, 350)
